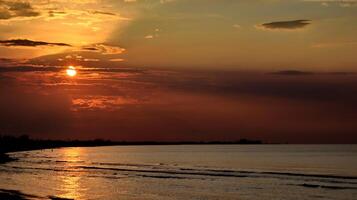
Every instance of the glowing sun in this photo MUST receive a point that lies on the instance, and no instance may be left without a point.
(71, 71)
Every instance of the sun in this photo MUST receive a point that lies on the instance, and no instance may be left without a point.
(71, 71)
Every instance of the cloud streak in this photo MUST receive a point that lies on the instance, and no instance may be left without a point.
(30, 43)
(103, 13)
(104, 49)
(286, 25)
(34, 68)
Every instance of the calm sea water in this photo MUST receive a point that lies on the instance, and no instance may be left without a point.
(185, 172)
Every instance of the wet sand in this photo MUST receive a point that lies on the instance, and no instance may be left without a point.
(17, 195)
(4, 158)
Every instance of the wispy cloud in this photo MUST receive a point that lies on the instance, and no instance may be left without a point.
(104, 49)
(334, 44)
(103, 13)
(341, 3)
(35, 68)
(30, 69)
(99, 102)
(286, 25)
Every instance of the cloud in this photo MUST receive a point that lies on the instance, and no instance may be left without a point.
(149, 37)
(30, 69)
(35, 68)
(334, 44)
(341, 3)
(13, 9)
(116, 60)
(29, 43)
(91, 60)
(100, 102)
(237, 26)
(103, 13)
(53, 13)
(104, 49)
(286, 25)
(8, 61)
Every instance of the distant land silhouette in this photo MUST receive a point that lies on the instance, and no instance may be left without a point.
(25, 143)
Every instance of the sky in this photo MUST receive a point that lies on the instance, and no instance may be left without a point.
(174, 70)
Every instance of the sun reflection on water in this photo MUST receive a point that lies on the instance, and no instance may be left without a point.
(71, 187)
(72, 154)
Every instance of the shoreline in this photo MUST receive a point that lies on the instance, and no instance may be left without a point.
(161, 172)
(4, 158)
(10, 144)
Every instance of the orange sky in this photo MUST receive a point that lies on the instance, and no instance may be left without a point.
(161, 105)
(280, 71)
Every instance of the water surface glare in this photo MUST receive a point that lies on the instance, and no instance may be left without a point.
(184, 172)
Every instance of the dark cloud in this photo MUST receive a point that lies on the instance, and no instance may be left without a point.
(89, 49)
(7, 60)
(29, 43)
(85, 56)
(13, 9)
(295, 24)
(288, 85)
(53, 13)
(103, 13)
(30, 69)
(103, 48)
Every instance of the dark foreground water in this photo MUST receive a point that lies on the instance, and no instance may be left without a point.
(184, 172)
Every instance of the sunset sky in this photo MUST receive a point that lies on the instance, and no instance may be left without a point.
(174, 70)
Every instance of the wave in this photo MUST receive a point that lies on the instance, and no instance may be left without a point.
(170, 170)
(167, 171)
(327, 187)
(159, 167)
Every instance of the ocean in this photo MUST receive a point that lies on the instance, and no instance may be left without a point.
(184, 172)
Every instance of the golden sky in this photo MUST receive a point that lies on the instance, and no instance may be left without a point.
(239, 34)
